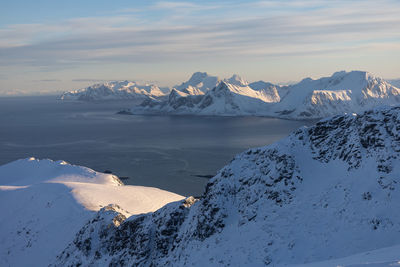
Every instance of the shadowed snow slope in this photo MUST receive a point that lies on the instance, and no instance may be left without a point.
(395, 82)
(44, 204)
(325, 192)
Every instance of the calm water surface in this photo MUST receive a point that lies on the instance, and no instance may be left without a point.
(168, 152)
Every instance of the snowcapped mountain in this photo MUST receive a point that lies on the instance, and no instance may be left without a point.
(343, 92)
(116, 90)
(44, 204)
(229, 97)
(198, 84)
(237, 80)
(272, 91)
(322, 194)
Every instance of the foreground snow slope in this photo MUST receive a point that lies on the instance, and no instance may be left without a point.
(384, 257)
(325, 192)
(343, 92)
(44, 203)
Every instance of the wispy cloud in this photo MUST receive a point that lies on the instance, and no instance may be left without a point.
(175, 5)
(169, 31)
(48, 80)
(89, 80)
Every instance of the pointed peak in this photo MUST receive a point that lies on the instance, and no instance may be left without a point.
(198, 75)
(222, 85)
(197, 78)
(176, 93)
(237, 80)
(200, 80)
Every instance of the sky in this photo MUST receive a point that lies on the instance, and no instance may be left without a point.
(52, 46)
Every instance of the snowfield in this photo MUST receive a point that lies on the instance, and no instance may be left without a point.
(45, 203)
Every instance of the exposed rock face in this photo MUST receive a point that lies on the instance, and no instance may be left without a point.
(326, 191)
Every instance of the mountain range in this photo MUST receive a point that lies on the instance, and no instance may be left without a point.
(116, 90)
(343, 92)
(204, 94)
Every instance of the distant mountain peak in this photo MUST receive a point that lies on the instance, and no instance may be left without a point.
(114, 90)
(237, 80)
(354, 74)
(199, 83)
(342, 92)
(198, 77)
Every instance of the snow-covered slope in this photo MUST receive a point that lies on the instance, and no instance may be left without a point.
(351, 92)
(272, 91)
(231, 99)
(116, 90)
(384, 257)
(198, 84)
(225, 99)
(325, 192)
(44, 204)
(237, 80)
(395, 82)
(343, 92)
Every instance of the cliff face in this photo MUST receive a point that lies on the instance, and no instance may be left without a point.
(327, 191)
